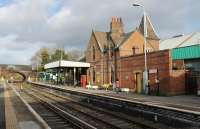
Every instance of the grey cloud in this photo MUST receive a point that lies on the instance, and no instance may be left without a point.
(30, 21)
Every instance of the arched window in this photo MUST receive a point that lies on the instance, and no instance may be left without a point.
(94, 76)
(93, 53)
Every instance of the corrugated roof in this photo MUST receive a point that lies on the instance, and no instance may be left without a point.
(181, 41)
(189, 52)
(195, 39)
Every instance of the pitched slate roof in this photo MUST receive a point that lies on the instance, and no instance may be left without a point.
(180, 41)
(151, 33)
(126, 36)
(102, 38)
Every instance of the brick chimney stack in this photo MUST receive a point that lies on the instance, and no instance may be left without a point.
(116, 29)
(116, 26)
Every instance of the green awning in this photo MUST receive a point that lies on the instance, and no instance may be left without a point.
(189, 52)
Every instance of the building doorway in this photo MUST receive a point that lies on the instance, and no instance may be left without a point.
(138, 80)
(192, 76)
(191, 82)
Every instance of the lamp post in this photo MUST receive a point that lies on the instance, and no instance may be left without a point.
(113, 67)
(37, 68)
(145, 49)
(37, 72)
(59, 78)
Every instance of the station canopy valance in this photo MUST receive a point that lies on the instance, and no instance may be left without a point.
(64, 64)
(190, 52)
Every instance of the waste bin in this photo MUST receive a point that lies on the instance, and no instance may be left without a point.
(83, 80)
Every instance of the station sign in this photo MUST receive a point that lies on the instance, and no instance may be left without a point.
(153, 70)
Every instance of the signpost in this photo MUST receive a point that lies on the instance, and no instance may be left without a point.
(153, 70)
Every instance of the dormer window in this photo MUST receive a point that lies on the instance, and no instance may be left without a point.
(135, 50)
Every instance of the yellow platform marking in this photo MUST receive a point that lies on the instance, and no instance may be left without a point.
(10, 117)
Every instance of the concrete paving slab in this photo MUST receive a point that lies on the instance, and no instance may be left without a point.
(2, 108)
(17, 114)
(29, 125)
(11, 119)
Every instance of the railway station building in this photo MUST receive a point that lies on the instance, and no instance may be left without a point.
(107, 51)
(119, 56)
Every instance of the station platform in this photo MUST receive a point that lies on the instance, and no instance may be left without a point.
(183, 102)
(15, 114)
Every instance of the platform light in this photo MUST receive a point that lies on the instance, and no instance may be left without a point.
(145, 49)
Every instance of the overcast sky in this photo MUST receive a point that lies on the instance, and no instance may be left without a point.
(28, 25)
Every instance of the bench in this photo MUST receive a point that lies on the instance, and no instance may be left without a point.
(92, 87)
(125, 90)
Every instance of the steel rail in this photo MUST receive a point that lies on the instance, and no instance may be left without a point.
(156, 113)
(82, 111)
(72, 119)
(114, 114)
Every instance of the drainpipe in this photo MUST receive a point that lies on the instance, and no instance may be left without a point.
(74, 76)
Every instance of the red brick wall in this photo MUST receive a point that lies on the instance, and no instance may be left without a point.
(93, 48)
(177, 78)
(155, 60)
(171, 81)
(177, 82)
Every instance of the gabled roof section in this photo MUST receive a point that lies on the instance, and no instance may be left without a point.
(180, 41)
(102, 39)
(125, 37)
(151, 33)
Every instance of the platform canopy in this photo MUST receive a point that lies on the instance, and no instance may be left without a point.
(64, 63)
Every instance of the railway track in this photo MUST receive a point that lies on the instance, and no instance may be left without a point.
(171, 117)
(97, 117)
(55, 117)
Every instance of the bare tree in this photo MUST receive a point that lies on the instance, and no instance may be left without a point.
(46, 55)
(40, 58)
(74, 55)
